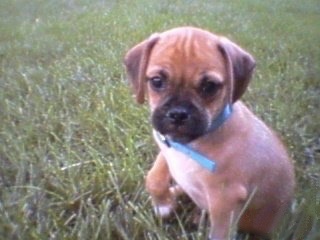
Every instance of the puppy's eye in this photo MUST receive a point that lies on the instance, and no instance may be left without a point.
(208, 87)
(157, 83)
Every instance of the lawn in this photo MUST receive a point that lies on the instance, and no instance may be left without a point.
(74, 146)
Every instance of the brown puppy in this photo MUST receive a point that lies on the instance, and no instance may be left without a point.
(192, 77)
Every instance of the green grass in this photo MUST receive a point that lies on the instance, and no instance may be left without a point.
(74, 147)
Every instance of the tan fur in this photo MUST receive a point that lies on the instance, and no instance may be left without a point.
(252, 162)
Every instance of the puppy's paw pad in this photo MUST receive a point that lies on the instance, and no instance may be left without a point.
(163, 210)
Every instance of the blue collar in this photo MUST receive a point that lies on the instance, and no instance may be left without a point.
(222, 117)
(205, 162)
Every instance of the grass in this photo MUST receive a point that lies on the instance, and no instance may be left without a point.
(74, 147)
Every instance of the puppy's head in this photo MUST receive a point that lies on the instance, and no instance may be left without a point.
(189, 76)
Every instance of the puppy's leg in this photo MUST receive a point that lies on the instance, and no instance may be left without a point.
(158, 182)
(224, 209)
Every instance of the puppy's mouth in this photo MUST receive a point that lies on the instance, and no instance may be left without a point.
(183, 122)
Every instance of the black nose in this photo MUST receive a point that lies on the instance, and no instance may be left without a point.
(178, 115)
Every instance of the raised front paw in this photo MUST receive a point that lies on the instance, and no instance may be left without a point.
(163, 210)
(165, 203)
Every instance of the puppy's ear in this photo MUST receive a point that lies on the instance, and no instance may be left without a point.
(240, 66)
(136, 62)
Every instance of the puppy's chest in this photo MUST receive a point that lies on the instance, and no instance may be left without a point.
(182, 168)
(185, 171)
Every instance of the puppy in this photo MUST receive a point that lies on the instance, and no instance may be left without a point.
(193, 80)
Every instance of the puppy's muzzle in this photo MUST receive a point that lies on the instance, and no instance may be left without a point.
(179, 120)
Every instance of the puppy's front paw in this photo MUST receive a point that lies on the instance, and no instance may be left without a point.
(164, 205)
(163, 210)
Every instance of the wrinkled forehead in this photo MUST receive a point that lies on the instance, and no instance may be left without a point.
(187, 50)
